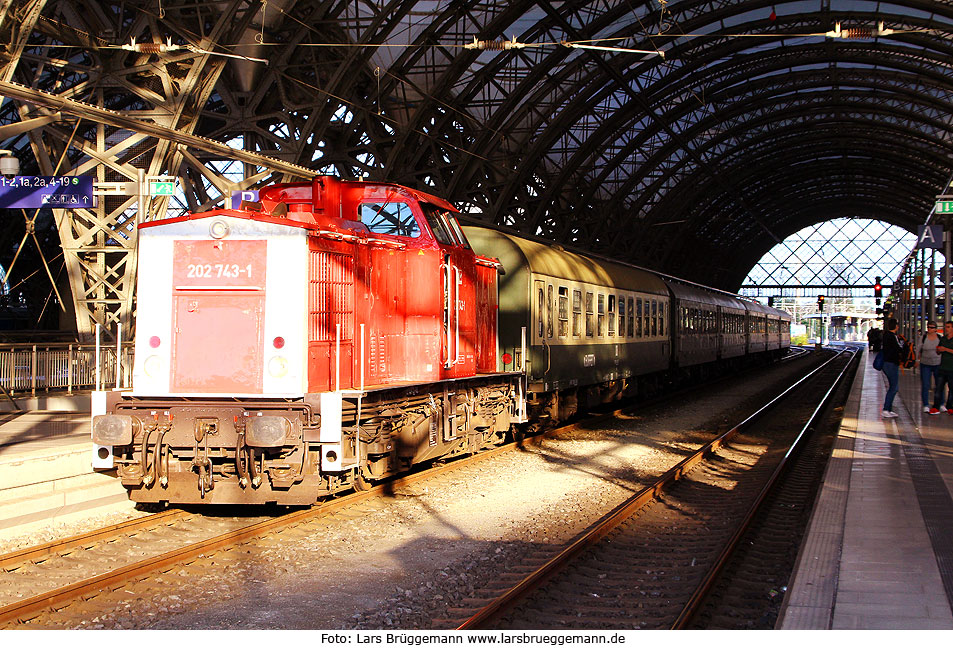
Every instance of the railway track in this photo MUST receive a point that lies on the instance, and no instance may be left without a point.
(54, 575)
(651, 562)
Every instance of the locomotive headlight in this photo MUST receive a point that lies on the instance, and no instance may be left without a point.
(153, 366)
(218, 229)
(277, 367)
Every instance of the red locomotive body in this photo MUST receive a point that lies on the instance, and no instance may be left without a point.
(332, 333)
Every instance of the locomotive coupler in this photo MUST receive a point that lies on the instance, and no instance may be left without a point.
(203, 461)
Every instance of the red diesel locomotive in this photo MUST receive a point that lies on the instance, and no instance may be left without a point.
(332, 334)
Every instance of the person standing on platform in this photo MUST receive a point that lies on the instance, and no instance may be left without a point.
(891, 351)
(944, 374)
(874, 339)
(929, 363)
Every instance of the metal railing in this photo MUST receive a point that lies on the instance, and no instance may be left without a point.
(31, 368)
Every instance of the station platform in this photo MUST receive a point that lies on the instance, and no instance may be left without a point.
(878, 553)
(46, 476)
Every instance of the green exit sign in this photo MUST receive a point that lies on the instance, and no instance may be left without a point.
(944, 207)
(165, 188)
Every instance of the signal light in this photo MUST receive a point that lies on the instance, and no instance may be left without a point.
(878, 288)
(820, 303)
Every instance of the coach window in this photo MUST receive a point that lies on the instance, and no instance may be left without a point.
(631, 328)
(549, 312)
(654, 318)
(589, 314)
(601, 315)
(389, 218)
(563, 312)
(540, 309)
(661, 318)
(611, 331)
(576, 313)
(638, 313)
(622, 316)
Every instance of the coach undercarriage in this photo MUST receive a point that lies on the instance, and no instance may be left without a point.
(208, 451)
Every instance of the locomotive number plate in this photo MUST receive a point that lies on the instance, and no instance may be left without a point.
(219, 264)
(589, 360)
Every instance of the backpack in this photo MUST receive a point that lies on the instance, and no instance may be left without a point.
(907, 357)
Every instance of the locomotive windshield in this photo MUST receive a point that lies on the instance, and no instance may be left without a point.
(390, 218)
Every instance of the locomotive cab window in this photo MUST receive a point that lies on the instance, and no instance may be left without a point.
(446, 229)
(441, 231)
(389, 218)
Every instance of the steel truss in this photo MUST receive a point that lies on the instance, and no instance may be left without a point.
(696, 163)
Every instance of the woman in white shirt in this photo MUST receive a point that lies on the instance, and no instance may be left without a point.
(929, 363)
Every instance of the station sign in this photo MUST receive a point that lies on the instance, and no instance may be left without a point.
(944, 207)
(930, 237)
(244, 195)
(46, 192)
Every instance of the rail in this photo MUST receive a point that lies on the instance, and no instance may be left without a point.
(28, 369)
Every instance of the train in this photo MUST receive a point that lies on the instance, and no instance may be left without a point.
(334, 333)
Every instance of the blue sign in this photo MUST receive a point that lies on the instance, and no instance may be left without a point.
(46, 192)
(930, 237)
(244, 195)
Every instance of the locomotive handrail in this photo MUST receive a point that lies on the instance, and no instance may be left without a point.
(458, 277)
(335, 235)
(390, 244)
(445, 268)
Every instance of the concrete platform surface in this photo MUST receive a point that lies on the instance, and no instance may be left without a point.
(878, 553)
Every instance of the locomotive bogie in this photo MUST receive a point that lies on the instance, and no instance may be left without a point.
(261, 452)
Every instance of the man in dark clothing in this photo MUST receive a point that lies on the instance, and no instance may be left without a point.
(891, 349)
(944, 374)
(874, 339)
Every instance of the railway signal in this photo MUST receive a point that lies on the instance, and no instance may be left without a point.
(820, 303)
(878, 291)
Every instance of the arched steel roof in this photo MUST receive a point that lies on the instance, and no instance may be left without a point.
(752, 125)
